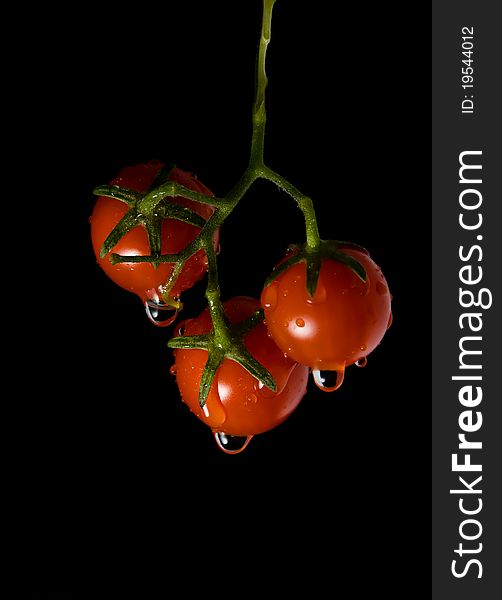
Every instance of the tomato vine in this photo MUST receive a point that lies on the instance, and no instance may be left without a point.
(150, 208)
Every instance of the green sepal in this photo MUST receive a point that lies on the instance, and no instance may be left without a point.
(186, 342)
(284, 266)
(126, 195)
(214, 360)
(181, 213)
(243, 327)
(354, 265)
(313, 261)
(154, 230)
(127, 222)
(162, 176)
(252, 366)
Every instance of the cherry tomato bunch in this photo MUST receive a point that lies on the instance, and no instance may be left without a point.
(241, 366)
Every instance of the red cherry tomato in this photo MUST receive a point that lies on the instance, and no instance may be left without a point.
(142, 278)
(238, 404)
(344, 321)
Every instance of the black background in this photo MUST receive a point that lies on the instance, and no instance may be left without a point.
(111, 461)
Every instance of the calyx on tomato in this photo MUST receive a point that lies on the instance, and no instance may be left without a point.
(226, 343)
(332, 249)
(148, 208)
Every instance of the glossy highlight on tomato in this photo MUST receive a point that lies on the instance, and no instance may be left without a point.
(344, 321)
(144, 279)
(238, 404)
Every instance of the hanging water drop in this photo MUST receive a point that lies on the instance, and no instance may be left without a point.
(160, 313)
(362, 362)
(173, 369)
(232, 444)
(328, 381)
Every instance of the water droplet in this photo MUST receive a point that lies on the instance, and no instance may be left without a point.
(253, 398)
(262, 390)
(300, 323)
(362, 362)
(173, 370)
(285, 293)
(381, 288)
(297, 279)
(218, 249)
(391, 318)
(232, 444)
(90, 219)
(363, 347)
(285, 324)
(160, 313)
(269, 297)
(214, 412)
(328, 381)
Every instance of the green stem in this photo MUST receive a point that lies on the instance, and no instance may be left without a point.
(259, 112)
(304, 204)
(220, 328)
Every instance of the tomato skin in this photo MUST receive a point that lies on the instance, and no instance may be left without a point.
(237, 404)
(142, 278)
(344, 322)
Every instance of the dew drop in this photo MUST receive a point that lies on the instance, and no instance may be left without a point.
(214, 412)
(300, 323)
(363, 347)
(391, 318)
(173, 370)
(381, 288)
(253, 398)
(263, 391)
(232, 444)
(328, 381)
(160, 313)
(362, 362)
(269, 298)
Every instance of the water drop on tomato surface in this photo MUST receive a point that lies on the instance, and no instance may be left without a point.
(328, 381)
(160, 313)
(269, 298)
(253, 398)
(300, 323)
(232, 444)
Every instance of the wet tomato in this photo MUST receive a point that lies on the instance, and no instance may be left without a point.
(144, 279)
(344, 321)
(238, 404)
